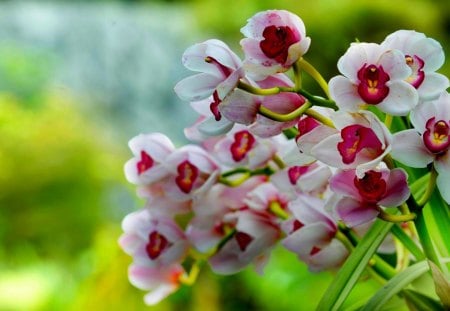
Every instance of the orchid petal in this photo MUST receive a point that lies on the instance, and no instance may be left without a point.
(402, 98)
(397, 190)
(354, 213)
(345, 93)
(442, 166)
(197, 87)
(408, 148)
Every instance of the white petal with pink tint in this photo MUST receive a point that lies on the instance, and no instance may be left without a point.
(343, 183)
(351, 61)
(433, 84)
(257, 62)
(393, 62)
(442, 166)
(304, 239)
(159, 282)
(397, 190)
(240, 107)
(197, 87)
(408, 148)
(345, 93)
(331, 256)
(402, 98)
(353, 213)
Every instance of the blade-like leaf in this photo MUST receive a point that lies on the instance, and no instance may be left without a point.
(395, 285)
(442, 285)
(351, 270)
(441, 214)
(398, 283)
(419, 302)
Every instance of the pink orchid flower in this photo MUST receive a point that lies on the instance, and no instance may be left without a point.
(159, 203)
(192, 171)
(373, 75)
(429, 141)
(220, 71)
(360, 141)
(264, 196)
(311, 234)
(241, 148)
(307, 179)
(242, 107)
(362, 197)
(159, 281)
(424, 56)
(208, 226)
(206, 127)
(275, 39)
(152, 241)
(255, 234)
(283, 103)
(150, 151)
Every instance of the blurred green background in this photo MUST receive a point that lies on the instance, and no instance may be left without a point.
(78, 79)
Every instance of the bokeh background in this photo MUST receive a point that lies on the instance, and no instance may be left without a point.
(78, 79)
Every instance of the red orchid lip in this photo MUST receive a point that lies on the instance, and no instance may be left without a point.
(243, 143)
(187, 175)
(355, 138)
(145, 163)
(436, 137)
(277, 41)
(371, 186)
(372, 86)
(157, 243)
(416, 64)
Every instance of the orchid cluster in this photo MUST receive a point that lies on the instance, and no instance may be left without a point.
(339, 178)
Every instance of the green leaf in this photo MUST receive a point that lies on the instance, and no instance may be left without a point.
(395, 285)
(441, 284)
(441, 214)
(351, 270)
(419, 302)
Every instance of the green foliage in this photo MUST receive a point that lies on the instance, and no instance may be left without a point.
(54, 168)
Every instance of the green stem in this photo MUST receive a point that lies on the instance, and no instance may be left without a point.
(429, 190)
(315, 100)
(389, 161)
(239, 170)
(418, 186)
(318, 101)
(193, 275)
(388, 121)
(407, 242)
(345, 240)
(297, 76)
(264, 92)
(224, 240)
(284, 117)
(312, 71)
(276, 209)
(380, 266)
(425, 239)
(396, 218)
(279, 162)
(290, 133)
(424, 235)
(244, 174)
(320, 117)
(402, 255)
